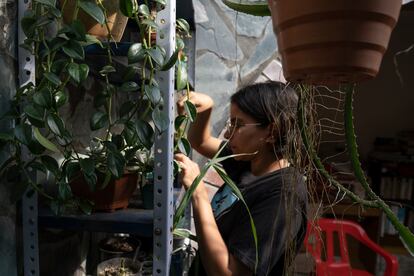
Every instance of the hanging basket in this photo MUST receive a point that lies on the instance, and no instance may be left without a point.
(335, 41)
(116, 20)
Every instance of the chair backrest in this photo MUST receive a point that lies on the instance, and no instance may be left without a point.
(340, 265)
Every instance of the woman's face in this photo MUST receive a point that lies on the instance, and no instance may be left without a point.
(245, 134)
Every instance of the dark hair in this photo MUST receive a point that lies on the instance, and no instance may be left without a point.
(270, 102)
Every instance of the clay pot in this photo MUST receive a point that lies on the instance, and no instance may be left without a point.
(114, 196)
(335, 41)
(116, 20)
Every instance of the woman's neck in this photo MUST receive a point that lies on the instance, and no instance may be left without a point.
(261, 166)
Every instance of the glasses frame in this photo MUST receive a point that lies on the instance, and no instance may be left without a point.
(233, 127)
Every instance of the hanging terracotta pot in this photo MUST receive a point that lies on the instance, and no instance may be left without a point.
(335, 41)
(116, 20)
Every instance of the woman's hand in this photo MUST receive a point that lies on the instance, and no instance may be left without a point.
(189, 170)
(201, 101)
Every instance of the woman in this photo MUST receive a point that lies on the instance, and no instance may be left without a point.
(260, 129)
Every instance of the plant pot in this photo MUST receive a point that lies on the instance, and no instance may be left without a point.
(116, 20)
(113, 267)
(114, 196)
(148, 196)
(336, 41)
(118, 246)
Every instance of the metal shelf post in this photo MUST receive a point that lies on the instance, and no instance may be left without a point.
(164, 144)
(29, 201)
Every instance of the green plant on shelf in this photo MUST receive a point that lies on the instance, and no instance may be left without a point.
(42, 142)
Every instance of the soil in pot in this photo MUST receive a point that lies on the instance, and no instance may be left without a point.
(119, 267)
(118, 247)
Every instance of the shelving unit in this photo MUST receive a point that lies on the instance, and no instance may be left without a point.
(155, 223)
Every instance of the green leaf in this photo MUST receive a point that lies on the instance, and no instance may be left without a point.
(91, 180)
(51, 3)
(74, 50)
(78, 72)
(182, 77)
(129, 86)
(156, 55)
(131, 73)
(116, 164)
(43, 98)
(184, 146)
(99, 120)
(107, 69)
(6, 136)
(191, 110)
(86, 206)
(143, 9)
(65, 192)
(78, 30)
(160, 119)
(91, 8)
(179, 43)
(87, 165)
(126, 108)
(171, 62)
(91, 39)
(50, 163)
(72, 170)
(37, 166)
(153, 93)
(60, 98)
(183, 25)
(130, 134)
(34, 112)
(258, 8)
(128, 7)
(150, 23)
(161, 2)
(179, 121)
(53, 78)
(135, 53)
(56, 124)
(237, 192)
(44, 141)
(23, 133)
(145, 133)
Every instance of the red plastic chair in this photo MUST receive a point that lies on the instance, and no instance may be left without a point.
(340, 265)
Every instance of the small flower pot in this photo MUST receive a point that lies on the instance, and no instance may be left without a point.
(116, 20)
(114, 196)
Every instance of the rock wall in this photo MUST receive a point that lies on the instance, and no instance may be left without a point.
(232, 50)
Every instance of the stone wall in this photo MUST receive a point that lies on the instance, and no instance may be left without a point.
(232, 50)
(7, 88)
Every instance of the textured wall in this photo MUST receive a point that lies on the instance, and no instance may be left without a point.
(232, 49)
(7, 88)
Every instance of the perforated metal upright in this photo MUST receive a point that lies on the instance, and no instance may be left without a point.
(29, 201)
(164, 143)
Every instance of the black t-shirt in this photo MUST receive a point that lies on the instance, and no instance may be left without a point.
(277, 203)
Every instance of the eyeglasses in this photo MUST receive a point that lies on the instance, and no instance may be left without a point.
(233, 126)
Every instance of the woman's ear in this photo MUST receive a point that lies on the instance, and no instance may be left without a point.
(271, 133)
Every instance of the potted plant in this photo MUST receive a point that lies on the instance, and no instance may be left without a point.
(332, 43)
(328, 42)
(118, 132)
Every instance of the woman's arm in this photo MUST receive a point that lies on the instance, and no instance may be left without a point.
(217, 260)
(199, 133)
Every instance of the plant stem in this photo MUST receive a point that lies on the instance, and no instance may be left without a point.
(405, 234)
